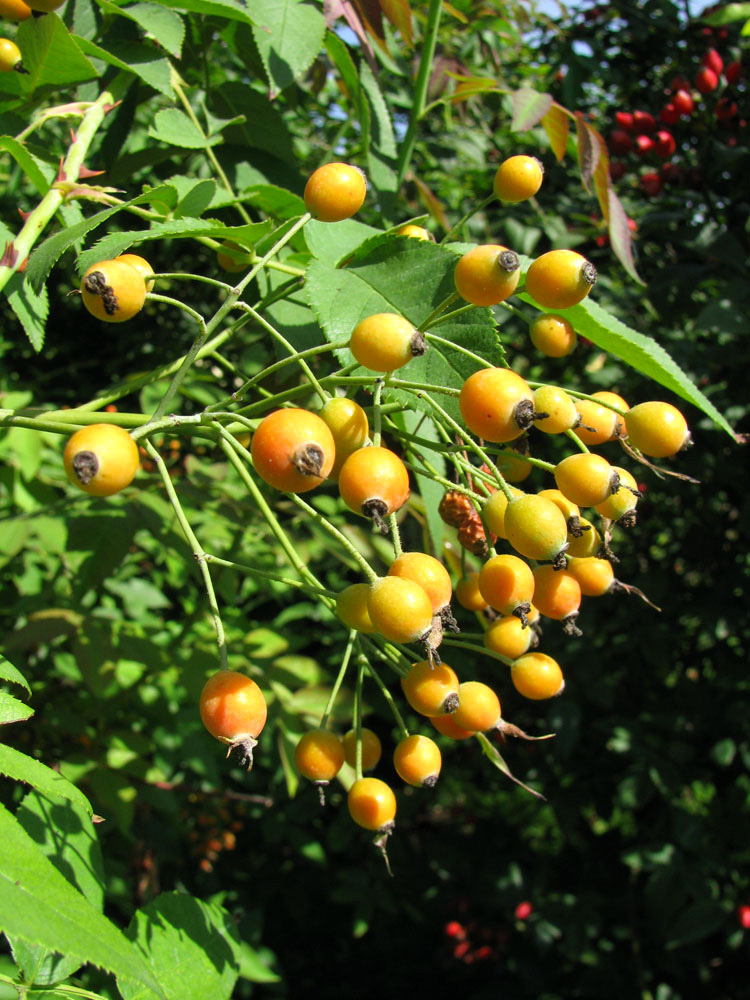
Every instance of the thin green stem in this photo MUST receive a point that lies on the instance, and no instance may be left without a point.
(440, 308)
(475, 648)
(427, 54)
(224, 310)
(461, 350)
(177, 86)
(292, 359)
(576, 441)
(37, 220)
(240, 458)
(334, 532)
(200, 555)
(339, 678)
(464, 219)
(358, 716)
(471, 443)
(516, 311)
(389, 698)
(264, 574)
(451, 315)
(164, 371)
(377, 417)
(295, 355)
(395, 535)
(187, 276)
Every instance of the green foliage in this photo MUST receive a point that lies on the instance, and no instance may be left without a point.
(207, 117)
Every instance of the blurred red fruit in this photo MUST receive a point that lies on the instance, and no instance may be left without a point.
(671, 172)
(632, 225)
(664, 144)
(523, 910)
(483, 953)
(643, 122)
(461, 949)
(625, 120)
(713, 61)
(683, 102)
(616, 169)
(669, 114)
(643, 145)
(733, 72)
(679, 82)
(743, 915)
(650, 183)
(726, 109)
(706, 80)
(455, 930)
(620, 142)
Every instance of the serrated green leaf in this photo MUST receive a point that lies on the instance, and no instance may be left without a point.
(235, 10)
(163, 23)
(640, 352)
(38, 905)
(381, 127)
(51, 55)
(116, 243)
(192, 947)
(289, 35)
(176, 129)
(32, 167)
(66, 836)
(43, 259)
(20, 767)
(412, 278)
(263, 126)
(275, 201)
(10, 673)
(13, 710)
(30, 307)
(332, 244)
(142, 60)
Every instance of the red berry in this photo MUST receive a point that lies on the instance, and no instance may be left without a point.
(625, 120)
(455, 930)
(706, 80)
(712, 60)
(733, 72)
(523, 910)
(743, 915)
(683, 101)
(616, 169)
(679, 82)
(643, 145)
(643, 122)
(669, 114)
(651, 183)
(620, 142)
(664, 145)
(726, 109)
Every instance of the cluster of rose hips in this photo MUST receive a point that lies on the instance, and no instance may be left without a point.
(639, 134)
(556, 555)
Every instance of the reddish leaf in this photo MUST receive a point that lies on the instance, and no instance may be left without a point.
(334, 9)
(620, 235)
(556, 125)
(398, 13)
(529, 107)
(372, 18)
(588, 150)
(431, 203)
(468, 86)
